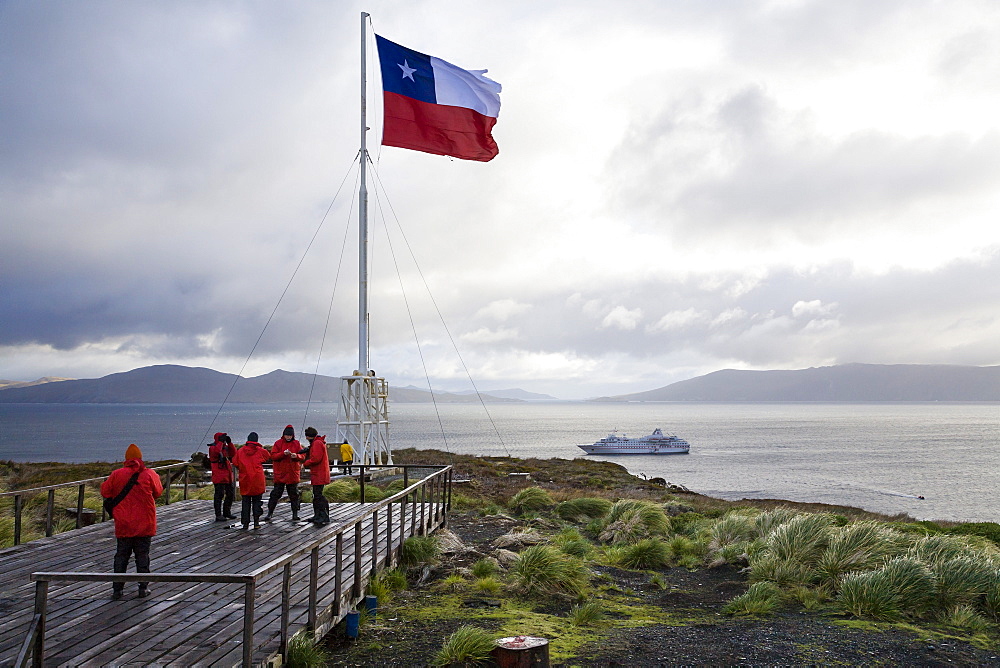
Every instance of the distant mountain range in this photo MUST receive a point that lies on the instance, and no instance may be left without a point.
(171, 384)
(847, 382)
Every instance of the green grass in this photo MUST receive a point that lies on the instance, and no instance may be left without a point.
(419, 550)
(305, 652)
(542, 570)
(485, 568)
(586, 614)
(583, 509)
(630, 521)
(649, 553)
(467, 645)
(762, 598)
(531, 499)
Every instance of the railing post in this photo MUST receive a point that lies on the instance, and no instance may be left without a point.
(423, 507)
(185, 482)
(406, 477)
(388, 535)
(451, 484)
(41, 596)
(48, 512)
(338, 579)
(79, 507)
(313, 585)
(356, 587)
(361, 480)
(413, 515)
(167, 486)
(286, 589)
(17, 519)
(248, 611)
(374, 544)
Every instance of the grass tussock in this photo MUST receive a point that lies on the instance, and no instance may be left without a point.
(586, 614)
(630, 521)
(583, 509)
(305, 652)
(467, 645)
(531, 499)
(649, 553)
(419, 550)
(543, 570)
(762, 598)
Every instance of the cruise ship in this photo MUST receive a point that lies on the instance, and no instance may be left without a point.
(656, 443)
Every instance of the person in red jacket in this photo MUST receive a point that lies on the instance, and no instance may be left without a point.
(287, 465)
(249, 460)
(134, 515)
(318, 464)
(221, 454)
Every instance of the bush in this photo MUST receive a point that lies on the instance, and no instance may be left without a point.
(988, 530)
(466, 645)
(761, 599)
(782, 572)
(542, 570)
(965, 617)
(732, 528)
(531, 499)
(770, 520)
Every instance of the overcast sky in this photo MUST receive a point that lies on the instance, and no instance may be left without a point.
(682, 186)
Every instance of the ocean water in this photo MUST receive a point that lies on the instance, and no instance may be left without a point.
(875, 456)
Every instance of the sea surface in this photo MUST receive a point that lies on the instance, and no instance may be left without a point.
(880, 457)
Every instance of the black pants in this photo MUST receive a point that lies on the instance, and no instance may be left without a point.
(321, 507)
(254, 504)
(224, 496)
(347, 466)
(278, 492)
(138, 545)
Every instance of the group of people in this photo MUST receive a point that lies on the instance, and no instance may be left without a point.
(131, 491)
(287, 457)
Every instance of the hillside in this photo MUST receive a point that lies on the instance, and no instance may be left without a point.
(172, 384)
(848, 382)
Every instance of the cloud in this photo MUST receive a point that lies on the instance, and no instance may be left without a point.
(746, 185)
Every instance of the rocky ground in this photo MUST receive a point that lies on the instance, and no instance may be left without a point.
(677, 622)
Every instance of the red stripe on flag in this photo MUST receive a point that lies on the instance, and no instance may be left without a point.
(436, 128)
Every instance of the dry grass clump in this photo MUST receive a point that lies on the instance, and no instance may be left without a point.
(530, 500)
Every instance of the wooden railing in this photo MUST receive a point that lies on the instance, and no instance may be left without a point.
(431, 495)
(171, 471)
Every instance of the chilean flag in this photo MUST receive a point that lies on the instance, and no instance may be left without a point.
(433, 106)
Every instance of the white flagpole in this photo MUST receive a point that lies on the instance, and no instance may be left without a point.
(363, 216)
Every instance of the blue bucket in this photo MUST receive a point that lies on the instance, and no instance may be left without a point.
(353, 618)
(371, 605)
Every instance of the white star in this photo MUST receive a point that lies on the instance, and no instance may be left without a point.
(407, 70)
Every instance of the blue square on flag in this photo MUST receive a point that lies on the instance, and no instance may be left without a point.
(405, 71)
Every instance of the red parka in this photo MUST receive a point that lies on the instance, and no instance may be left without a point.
(135, 515)
(220, 454)
(250, 461)
(318, 462)
(287, 461)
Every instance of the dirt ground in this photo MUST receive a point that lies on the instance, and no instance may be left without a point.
(697, 635)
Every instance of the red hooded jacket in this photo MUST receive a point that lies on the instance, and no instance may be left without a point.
(286, 458)
(135, 515)
(318, 462)
(220, 454)
(250, 461)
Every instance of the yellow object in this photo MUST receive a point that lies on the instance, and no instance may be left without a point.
(346, 452)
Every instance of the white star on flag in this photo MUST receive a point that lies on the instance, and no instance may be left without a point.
(407, 71)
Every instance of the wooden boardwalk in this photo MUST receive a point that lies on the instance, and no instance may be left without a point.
(194, 623)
